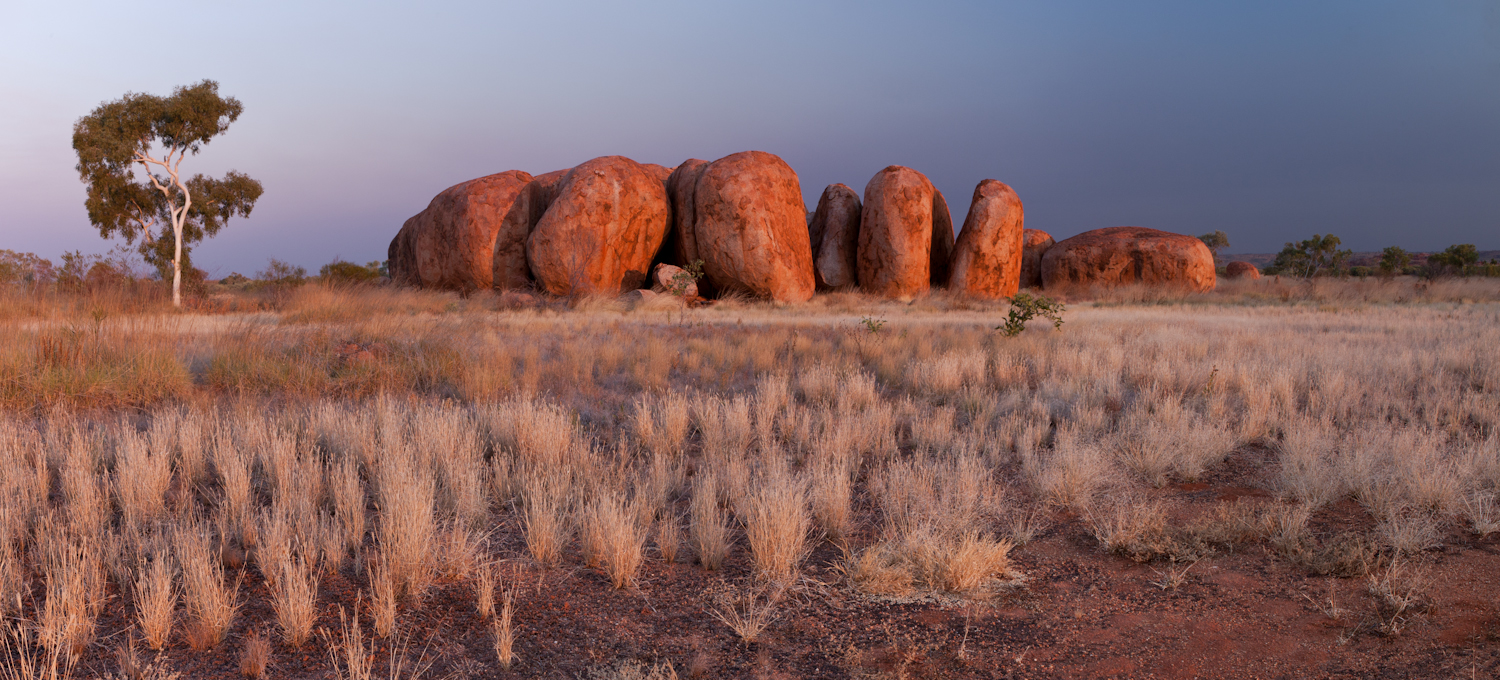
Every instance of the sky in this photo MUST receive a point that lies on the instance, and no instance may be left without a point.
(1375, 120)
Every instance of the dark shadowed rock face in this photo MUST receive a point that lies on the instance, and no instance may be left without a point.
(1120, 256)
(834, 233)
(901, 234)
(451, 244)
(401, 257)
(987, 255)
(750, 227)
(1240, 269)
(602, 230)
(681, 246)
(509, 268)
(940, 259)
(1034, 244)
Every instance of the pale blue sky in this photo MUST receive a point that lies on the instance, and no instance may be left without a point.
(1376, 120)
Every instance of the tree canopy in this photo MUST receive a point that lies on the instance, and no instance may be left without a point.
(120, 135)
(1311, 257)
(1393, 260)
(1215, 241)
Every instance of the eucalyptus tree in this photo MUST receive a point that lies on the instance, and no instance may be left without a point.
(145, 202)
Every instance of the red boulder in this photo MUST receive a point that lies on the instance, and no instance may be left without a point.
(1034, 244)
(750, 227)
(1120, 256)
(451, 244)
(834, 232)
(905, 234)
(601, 232)
(987, 256)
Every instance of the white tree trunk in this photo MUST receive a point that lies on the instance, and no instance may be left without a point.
(177, 265)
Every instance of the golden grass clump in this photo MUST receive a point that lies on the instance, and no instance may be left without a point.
(777, 525)
(708, 524)
(212, 603)
(156, 600)
(613, 538)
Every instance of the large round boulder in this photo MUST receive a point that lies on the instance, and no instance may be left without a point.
(451, 244)
(681, 247)
(601, 231)
(750, 227)
(509, 268)
(1240, 269)
(834, 232)
(905, 235)
(987, 255)
(1119, 256)
(1034, 244)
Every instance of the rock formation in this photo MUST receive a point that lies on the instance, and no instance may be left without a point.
(682, 244)
(660, 172)
(987, 255)
(401, 258)
(509, 270)
(451, 243)
(905, 234)
(941, 260)
(603, 229)
(667, 278)
(1123, 255)
(1034, 244)
(750, 227)
(834, 233)
(1241, 270)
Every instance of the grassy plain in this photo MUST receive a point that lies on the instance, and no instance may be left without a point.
(400, 483)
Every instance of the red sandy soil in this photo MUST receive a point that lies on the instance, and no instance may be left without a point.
(1246, 613)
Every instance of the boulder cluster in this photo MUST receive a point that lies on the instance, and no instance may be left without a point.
(612, 225)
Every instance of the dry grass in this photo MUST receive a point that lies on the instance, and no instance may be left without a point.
(710, 532)
(747, 613)
(613, 539)
(504, 631)
(255, 656)
(383, 596)
(777, 525)
(156, 600)
(212, 602)
(403, 428)
(294, 598)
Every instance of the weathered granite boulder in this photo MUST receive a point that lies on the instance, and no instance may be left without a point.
(750, 227)
(1119, 256)
(834, 232)
(601, 232)
(987, 256)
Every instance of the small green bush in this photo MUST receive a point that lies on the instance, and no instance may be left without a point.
(1025, 307)
(343, 271)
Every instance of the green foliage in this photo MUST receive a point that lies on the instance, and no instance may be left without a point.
(1455, 259)
(1361, 271)
(1025, 307)
(155, 203)
(687, 277)
(282, 274)
(1216, 242)
(1394, 260)
(872, 324)
(342, 271)
(1317, 255)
